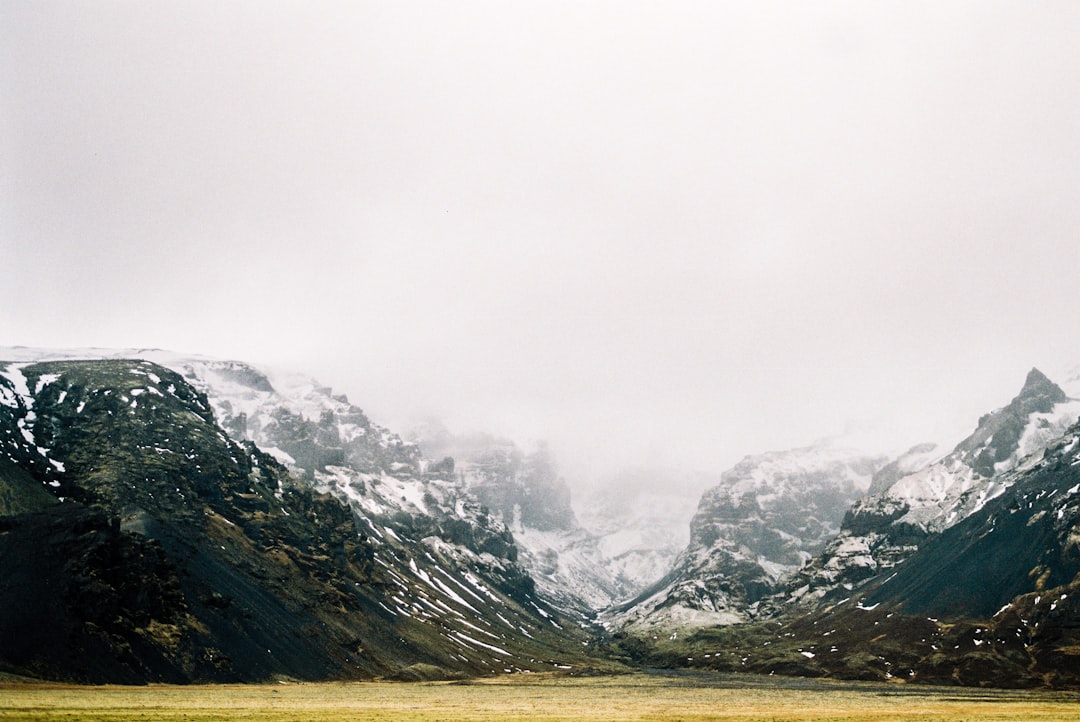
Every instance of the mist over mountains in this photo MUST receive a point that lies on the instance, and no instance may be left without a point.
(179, 518)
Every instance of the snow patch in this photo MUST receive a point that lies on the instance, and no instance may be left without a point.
(44, 380)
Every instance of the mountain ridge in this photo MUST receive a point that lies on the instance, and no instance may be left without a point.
(211, 521)
(881, 530)
(260, 572)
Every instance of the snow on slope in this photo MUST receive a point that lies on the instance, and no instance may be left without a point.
(960, 483)
(270, 408)
(767, 516)
(883, 529)
(526, 492)
(429, 551)
(322, 437)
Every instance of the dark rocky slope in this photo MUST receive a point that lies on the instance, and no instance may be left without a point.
(993, 600)
(139, 542)
(883, 529)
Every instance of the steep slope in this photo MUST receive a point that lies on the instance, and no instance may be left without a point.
(768, 515)
(526, 492)
(881, 530)
(140, 542)
(992, 600)
(589, 550)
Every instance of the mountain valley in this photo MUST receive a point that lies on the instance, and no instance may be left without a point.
(169, 518)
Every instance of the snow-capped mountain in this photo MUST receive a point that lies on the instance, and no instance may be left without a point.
(768, 515)
(178, 518)
(883, 529)
(591, 549)
(526, 492)
(959, 568)
(991, 601)
(142, 489)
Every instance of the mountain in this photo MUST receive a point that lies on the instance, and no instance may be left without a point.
(963, 569)
(169, 518)
(881, 530)
(991, 600)
(588, 550)
(769, 515)
(526, 493)
(207, 521)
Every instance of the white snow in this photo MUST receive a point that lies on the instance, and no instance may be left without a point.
(453, 595)
(44, 380)
(466, 638)
(14, 374)
(279, 455)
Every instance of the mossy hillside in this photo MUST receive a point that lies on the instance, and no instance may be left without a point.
(274, 579)
(132, 435)
(20, 492)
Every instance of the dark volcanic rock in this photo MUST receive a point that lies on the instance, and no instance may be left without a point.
(80, 595)
(993, 600)
(768, 515)
(157, 548)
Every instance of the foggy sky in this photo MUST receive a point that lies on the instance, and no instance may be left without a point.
(667, 232)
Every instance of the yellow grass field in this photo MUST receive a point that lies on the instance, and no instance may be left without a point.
(523, 697)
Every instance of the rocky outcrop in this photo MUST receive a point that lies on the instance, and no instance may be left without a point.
(526, 492)
(640, 518)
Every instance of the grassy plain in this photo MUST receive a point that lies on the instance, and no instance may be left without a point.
(534, 698)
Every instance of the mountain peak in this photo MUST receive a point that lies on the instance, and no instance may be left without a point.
(1037, 387)
(997, 436)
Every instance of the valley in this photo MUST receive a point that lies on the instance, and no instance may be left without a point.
(172, 519)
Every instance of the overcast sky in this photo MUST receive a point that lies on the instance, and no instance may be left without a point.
(667, 232)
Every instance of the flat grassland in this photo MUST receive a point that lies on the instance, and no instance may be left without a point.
(535, 697)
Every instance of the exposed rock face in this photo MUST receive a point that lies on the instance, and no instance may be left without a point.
(883, 529)
(917, 457)
(526, 492)
(80, 595)
(295, 419)
(632, 526)
(768, 515)
(996, 444)
(207, 521)
(141, 542)
(992, 600)
(522, 489)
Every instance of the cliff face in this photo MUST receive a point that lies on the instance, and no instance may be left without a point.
(945, 575)
(525, 491)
